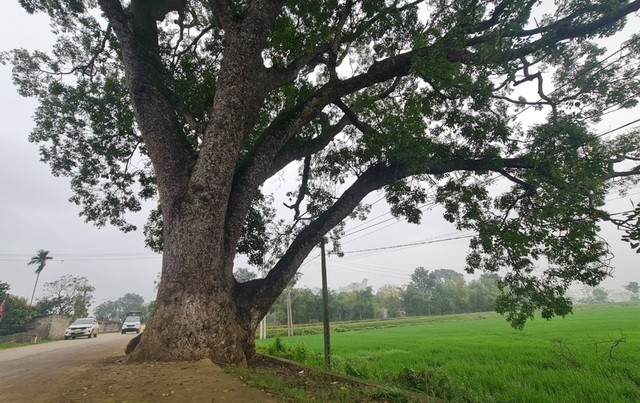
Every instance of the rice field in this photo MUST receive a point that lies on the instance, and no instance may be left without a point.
(590, 356)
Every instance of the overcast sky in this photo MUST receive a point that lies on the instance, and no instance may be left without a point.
(35, 214)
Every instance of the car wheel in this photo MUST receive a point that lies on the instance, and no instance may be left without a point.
(95, 335)
(66, 337)
(122, 332)
(73, 337)
(138, 331)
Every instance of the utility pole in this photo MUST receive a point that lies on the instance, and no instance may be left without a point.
(325, 309)
(289, 313)
(263, 322)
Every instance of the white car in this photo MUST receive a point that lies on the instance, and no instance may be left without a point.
(131, 324)
(82, 327)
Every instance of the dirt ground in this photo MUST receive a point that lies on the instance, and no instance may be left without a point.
(31, 374)
(114, 380)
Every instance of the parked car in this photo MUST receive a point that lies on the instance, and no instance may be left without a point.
(82, 327)
(131, 324)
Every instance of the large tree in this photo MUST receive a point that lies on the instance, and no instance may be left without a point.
(68, 295)
(403, 96)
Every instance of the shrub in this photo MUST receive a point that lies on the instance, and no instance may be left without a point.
(357, 371)
(391, 396)
(298, 353)
(433, 382)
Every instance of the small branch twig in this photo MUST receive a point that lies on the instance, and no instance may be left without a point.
(614, 343)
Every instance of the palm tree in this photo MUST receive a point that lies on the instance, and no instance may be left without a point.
(39, 259)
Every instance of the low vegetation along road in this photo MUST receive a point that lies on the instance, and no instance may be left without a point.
(29, 372)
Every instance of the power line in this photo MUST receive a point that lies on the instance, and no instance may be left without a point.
(344, 266)
(425, 242)
(81, 257)
(422, 208)
(374, 231)
(618, 128)
(373, 269)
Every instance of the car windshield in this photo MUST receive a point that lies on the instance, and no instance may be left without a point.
(83, 322)
(132, 319)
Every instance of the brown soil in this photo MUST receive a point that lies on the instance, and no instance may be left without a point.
(113, 380)
(40, 377)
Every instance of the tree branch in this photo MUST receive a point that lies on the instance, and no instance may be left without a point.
(266, 291)
(564, 29)
(304, 185)
(621, 174)
(171, 154)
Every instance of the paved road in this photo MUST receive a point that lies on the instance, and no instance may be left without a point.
(28, 367)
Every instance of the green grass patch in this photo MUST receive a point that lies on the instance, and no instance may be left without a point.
(305, 384)
(14, 345)
(592, 355)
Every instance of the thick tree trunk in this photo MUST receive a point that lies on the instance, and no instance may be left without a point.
(201, 323)
(196, 313)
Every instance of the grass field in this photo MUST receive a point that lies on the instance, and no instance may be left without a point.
(590, 356)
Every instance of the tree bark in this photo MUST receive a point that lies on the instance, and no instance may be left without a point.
(196, 313)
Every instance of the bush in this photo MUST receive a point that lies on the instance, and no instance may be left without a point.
(383, 395)
(298, 353)
(433, 382)
(357, 371)
(17, 315)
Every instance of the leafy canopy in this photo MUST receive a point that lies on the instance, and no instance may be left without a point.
(68, 295)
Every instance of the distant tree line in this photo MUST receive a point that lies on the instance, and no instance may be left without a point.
(437, 292)
(117, 310)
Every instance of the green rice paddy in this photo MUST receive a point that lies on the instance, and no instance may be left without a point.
(590, 356)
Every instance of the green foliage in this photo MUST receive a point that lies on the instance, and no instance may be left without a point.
(631, 225)
(242, 274)
(433, 382)
(254, 241)
(354, 302)
(69, 295)
(359, 371)
(388, 301)
(117, 310)
(594, 295)
(18, 313)
(297, 353)
(40, 260)
(445, 291)
(633, 288)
